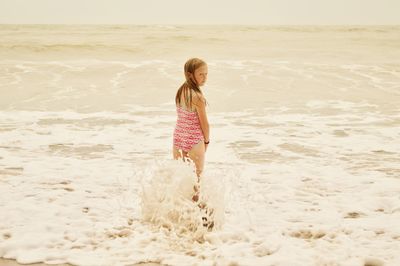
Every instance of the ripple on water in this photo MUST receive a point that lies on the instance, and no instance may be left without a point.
(86, 151)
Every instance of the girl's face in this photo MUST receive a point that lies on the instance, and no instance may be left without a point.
(200, 75)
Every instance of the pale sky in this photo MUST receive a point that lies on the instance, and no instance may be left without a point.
(275, 12)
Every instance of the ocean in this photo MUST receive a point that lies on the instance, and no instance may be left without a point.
(303, 166)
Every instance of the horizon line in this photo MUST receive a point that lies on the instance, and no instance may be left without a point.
(191, 24)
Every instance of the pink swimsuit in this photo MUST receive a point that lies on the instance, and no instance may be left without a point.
(188, 131)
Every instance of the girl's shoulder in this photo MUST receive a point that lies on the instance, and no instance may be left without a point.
(198, 98)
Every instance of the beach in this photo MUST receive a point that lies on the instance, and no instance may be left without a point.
(303, 166)
(4, 262)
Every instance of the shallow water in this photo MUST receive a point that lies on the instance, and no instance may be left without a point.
(303, 166)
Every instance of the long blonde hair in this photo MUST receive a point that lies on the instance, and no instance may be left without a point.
(190, 86)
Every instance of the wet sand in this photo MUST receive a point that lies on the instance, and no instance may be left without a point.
(7, 262)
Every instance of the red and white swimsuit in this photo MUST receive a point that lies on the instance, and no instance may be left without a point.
(187, 131)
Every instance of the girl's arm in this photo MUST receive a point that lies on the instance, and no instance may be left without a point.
(200, 103)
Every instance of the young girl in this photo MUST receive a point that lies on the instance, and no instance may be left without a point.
(192, 131)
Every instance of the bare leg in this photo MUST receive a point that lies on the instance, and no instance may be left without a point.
(196, 154)
(185, 157)
(176, 153)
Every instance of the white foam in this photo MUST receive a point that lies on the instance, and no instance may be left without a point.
(72, 188)
(167, 200)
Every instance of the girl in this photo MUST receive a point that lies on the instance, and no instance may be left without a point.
(192, 131)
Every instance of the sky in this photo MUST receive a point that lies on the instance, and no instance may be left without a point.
(252, 12)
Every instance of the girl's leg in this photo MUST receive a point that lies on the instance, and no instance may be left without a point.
(185, 156)
(176, 153)
(197, 154)
(179, 154)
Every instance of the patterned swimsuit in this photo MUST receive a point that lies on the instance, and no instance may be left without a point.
(188, 131)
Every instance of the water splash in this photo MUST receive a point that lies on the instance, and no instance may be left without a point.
(166, 200)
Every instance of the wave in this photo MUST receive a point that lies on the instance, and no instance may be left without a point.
(35, 47)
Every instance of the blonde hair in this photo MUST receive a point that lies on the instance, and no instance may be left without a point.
(190, 86)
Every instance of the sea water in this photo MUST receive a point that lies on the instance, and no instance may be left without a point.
(302, 168)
